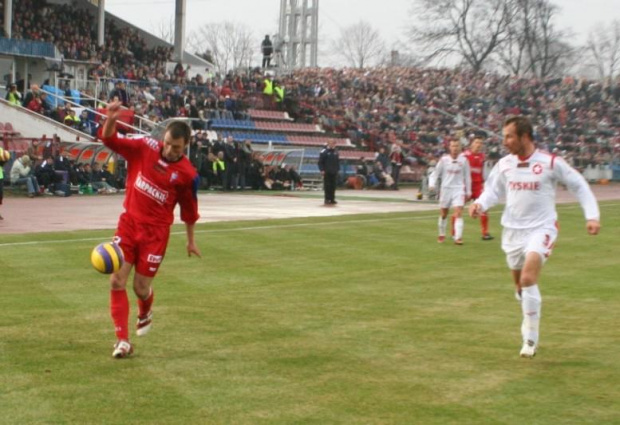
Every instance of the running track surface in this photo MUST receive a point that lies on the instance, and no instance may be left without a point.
(89, 212)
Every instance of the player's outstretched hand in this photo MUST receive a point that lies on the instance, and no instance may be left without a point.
(193, 249)
(475, 210)
(593, 227)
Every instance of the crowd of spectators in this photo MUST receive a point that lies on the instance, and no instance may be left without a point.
(56, 175)
(413, 112)
(418, 110)
(231, 165)
(421, 109)
(406, 115)
(44, 169)
(74, 32)
(35, 100)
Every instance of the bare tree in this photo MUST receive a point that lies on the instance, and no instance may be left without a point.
(164, 29)
(603, 50)
(534, 45)
(471, 29)
(230, 45)
(546, 46)
(512, 55)
(360, 44)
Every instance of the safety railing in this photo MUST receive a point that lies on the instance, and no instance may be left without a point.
(56, 96)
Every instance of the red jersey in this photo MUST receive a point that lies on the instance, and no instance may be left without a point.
(154, 185)
(476, 166)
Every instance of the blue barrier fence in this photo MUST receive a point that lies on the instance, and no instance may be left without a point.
(27, 47)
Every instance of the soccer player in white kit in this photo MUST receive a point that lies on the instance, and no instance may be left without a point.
(527, 178)
(453, 169)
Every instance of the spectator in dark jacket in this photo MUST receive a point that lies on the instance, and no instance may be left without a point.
(329, 164)
(46, 175)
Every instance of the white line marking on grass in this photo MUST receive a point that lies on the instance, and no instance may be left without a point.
(276, 226)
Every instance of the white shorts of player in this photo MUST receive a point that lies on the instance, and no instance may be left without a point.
(451, 198)
(516, 243)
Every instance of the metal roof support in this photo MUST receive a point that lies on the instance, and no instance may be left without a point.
(179, 30)
(8, 17)
(101, 23)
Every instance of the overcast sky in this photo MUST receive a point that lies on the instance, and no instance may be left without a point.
(389, 17)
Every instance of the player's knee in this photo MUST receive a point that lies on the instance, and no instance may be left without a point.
(142, 286)
(141, 291)
(117, 281)
(527, 278)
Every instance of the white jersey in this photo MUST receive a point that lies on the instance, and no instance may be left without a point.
(529, 187)
(454, 174)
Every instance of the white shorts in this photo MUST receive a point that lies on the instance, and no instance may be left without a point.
(516, 243)
(451, 198)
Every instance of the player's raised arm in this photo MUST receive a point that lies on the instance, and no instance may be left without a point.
(124, 146)
(109, 126)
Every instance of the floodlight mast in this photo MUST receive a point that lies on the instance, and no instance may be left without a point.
(298, 34)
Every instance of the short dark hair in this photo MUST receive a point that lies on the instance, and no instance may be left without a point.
(522, 124)
(179, 129)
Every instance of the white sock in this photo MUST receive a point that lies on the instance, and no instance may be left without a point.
(443, 222)
(458, 228)
(531, 307)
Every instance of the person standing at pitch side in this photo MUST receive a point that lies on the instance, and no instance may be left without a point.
(158, 177)
(329, 164)
(528, 177)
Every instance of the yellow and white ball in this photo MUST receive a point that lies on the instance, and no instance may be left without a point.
(107, 257)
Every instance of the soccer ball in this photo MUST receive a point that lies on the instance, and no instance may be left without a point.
(4, 155)
(107, 257)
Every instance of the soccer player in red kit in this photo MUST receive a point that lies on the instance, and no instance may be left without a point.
(476, 159)
(158, 177)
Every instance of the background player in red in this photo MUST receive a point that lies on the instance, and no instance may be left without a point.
(476, 159)
(158, 177)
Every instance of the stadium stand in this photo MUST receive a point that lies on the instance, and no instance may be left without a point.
(418, 109)
(287, 127)
(6, 129)
(258, 114)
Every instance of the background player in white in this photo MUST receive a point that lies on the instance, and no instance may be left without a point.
(527, 178)
(453, 170)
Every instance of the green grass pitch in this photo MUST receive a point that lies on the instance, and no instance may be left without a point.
(347, 320)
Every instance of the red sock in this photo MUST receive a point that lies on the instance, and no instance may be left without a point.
(145, 305)
(452, 220)
(484, 223)
(119, 310)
